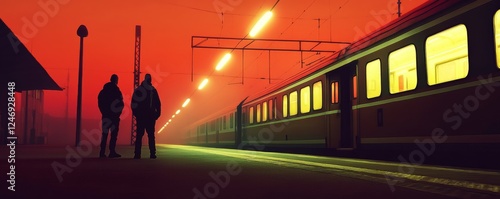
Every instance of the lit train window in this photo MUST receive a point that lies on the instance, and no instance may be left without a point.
(447, 55)
(354, 87)
(231, 120)
(285, 105)
(373, 79)
(271, 110)
(403, 69)
(224, 122)
(221, 126)
(305, 99)
(214, 126)
(265, 111)
(335, 92)
(250, 117)
(258, 113)
(293, 103)
(497, 36)
(317, 95)
(275, 109)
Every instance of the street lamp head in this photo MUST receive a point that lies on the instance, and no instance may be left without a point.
(82, 31)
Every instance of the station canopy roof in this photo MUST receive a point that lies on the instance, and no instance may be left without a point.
(18, 65)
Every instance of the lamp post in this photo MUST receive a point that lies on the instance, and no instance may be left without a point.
(81, 32)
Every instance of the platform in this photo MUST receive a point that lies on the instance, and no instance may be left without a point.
(198, 172)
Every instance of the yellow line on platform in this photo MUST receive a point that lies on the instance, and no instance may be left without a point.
(254, 156)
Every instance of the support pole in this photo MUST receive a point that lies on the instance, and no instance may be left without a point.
(242, 67)
(81, 32)
(137, 73)
(301, 55)
(399, 8)
(192, 63)
(269, 64)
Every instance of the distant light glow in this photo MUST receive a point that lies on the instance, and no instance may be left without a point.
(178, 111)
(203, 84)
(173, 115)
(161, 129)
(170, 120)
(186, 102)
(261, 23)
(223, 61)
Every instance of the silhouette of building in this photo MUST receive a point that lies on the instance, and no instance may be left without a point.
(18, 65)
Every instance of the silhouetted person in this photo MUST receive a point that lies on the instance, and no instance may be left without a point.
(110, 102)
(146, 107)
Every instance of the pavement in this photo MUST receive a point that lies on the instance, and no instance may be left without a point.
(199, 172)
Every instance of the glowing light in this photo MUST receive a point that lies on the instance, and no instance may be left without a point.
(186, 102)
(170, 120)
(178, 111)
(261, 23)
(173, 115)
(223, 61)
(161, 129)
(203, 84)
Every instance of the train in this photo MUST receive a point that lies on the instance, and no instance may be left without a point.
(429, 78)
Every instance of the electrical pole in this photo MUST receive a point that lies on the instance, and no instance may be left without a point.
(137, 72)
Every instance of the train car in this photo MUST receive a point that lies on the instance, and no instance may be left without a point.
(215, 129)
(430, 77)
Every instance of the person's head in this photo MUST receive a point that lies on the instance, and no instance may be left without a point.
(147, 78)
(114, 78)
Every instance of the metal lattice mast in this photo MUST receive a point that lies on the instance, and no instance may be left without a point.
(137, 72)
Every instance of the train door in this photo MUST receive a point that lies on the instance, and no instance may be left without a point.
(343, 93)
(240, 118)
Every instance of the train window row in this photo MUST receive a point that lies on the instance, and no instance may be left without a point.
(263, 111)
(446, 57)
(308, 100)
(227, 124)
(311, 97)
(218, 124)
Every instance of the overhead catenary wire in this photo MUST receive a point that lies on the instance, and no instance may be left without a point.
(213, 70)
(319, 25)
(288, 27)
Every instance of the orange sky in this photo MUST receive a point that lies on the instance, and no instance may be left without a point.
(48, 29)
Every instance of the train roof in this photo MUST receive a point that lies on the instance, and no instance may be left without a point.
(397, 26)
(215, 115)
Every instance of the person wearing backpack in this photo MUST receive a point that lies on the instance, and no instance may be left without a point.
(110, 101)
